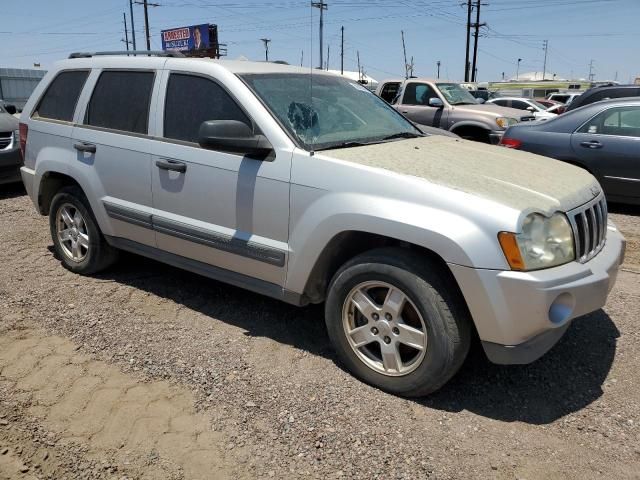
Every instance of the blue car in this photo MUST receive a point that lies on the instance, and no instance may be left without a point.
(603, 138)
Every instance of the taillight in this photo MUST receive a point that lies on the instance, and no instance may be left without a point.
(510, 142)
(24, 130)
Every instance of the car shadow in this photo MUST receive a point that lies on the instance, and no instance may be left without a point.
(12, 190)
(565, 380)
(624, 208)
(568, 378)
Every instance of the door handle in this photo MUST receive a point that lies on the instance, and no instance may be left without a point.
(85, 147)
(404, 111)
(174, 165)
(592, 144)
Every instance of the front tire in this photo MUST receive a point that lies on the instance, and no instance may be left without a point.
(398, 321)
(77, 239)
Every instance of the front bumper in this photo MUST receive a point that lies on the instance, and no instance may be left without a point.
(521, 315)
(495, 136)
(10, 163)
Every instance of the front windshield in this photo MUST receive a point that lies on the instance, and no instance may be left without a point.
(455, 94)
(340, 113)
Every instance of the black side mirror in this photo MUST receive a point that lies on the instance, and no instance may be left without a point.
(233, 136)
(11, 109)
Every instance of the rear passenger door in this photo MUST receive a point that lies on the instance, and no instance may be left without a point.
(113, 152)
(218, 208)
(609, 144)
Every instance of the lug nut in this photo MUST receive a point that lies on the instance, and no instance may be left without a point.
(387, 340)
(396, 331)
(374, 330)
(375, 316)
(388, 316)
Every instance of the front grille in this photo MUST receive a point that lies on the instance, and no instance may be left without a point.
(589, 223)
(5, 139)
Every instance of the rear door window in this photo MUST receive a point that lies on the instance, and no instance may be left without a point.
(620, 121)
(519, 104)
(192, 100)
(120, 101)
(60, 99)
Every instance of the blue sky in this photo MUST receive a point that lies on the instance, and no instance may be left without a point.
(605, 31)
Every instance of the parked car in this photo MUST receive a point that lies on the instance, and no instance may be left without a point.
(565, 97)
(8, 107)
(547, 103)
(603, 138)
(10, 158)
(538, 110)
(449, 106)
(235, 171)
(597, 94)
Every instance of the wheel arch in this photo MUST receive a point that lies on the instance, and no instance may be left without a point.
(50, 183)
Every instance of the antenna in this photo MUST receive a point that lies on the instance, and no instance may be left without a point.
(342, 50)
(328, 50)
(404, 50)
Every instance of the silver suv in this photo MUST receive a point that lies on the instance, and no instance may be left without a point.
(306, 187)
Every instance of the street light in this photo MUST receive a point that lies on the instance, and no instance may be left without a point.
(518, 70)
(438, 64)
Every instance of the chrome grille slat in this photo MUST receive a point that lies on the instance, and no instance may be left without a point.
(589, 224)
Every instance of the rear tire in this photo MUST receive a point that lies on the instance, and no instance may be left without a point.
(77, 239)
(431, 303)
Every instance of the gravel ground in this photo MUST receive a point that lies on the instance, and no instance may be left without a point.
(252, 385)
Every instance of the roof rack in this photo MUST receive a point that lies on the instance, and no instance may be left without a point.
(154, 53)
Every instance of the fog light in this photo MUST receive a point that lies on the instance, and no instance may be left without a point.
(562, 308)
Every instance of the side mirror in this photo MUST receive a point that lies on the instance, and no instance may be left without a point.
(531, 109)
(436, 102)
(480, 100)
(11, 109)
(233, 136)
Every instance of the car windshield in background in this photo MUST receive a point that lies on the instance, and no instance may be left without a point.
(538, 105)
(455, 94)
(326, 111)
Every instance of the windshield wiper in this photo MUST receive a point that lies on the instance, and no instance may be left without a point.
(402, 135)
(345, 145)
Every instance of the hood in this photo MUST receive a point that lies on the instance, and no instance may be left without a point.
(8, 123)
(496, 110)
(516, 179)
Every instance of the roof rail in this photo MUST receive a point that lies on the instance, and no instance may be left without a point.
(154, 53)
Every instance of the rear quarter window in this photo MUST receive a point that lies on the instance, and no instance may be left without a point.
(61, 96)
(120, 101)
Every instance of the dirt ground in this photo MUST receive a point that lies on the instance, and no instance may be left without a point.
(148, 372)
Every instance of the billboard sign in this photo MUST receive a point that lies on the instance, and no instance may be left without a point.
(195, 37)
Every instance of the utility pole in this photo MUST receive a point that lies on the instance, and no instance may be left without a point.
(322, 6)
(545, 46)
(328, 51)
(438, 64)
(359, 71)
(466, 59)
(342, 50)
(133, 28)
(126, 32)
(477, 25)
(146, 5)
(266, 48)
(301, 57)
(404, 50)
(518, 69)
(592, 75)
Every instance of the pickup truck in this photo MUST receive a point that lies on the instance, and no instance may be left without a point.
(447, 105)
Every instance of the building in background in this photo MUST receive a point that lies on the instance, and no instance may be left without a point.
(16, 84)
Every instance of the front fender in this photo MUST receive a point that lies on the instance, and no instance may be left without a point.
(469, 123)
(455, 238)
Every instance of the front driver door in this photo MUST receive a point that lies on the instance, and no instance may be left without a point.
(415, 105)
(609, 145)
(220, 209)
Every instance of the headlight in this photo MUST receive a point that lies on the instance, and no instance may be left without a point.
(505, 122)
(544, 242)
